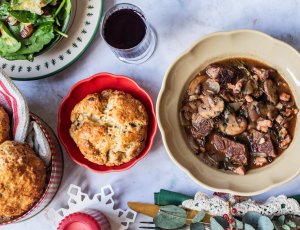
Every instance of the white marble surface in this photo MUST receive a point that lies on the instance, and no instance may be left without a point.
(178, 23)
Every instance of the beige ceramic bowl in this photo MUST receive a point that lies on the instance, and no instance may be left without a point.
(215, 47)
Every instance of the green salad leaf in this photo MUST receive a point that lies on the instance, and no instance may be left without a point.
(8, 44)
(24, 16)
(4, 10)
(45, 20)
(29, 26)
(42, 36)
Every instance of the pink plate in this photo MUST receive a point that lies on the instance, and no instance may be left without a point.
(96, 84)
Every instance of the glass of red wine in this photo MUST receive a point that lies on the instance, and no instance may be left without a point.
(128, 33)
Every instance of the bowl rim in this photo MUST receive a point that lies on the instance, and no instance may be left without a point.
(151, 115)
(163, 89)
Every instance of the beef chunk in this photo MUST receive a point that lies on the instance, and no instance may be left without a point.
(270, 89)
(220, 74)
(202, 127)
(235, 151)
(263, 74)
(261, 143)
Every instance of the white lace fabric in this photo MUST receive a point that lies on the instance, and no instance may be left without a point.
(215, 205)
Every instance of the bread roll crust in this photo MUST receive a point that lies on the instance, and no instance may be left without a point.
(4, 125)
(22, 178)
(109, 128)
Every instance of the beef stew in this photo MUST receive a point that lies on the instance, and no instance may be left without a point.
(238, 114)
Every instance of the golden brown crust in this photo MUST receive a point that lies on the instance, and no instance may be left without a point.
(22, 178)
(4, 125)
(109, 128)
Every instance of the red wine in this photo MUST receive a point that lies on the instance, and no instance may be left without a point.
(124, 29)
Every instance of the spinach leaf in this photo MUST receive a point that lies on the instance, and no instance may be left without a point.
(13, 57)
(41, 37)
(24, 16)
(8, 44)
(45, 20)
(4, 8)
(15, 31)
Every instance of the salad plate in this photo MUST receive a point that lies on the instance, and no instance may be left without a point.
(83, 26)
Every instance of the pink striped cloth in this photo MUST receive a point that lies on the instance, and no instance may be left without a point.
(14, 103)
(30, 128)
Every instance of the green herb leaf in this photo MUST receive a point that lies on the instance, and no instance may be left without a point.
(248, 227)
(197, 226)
(170, 217)
(264, 223)
(286, 227)
(214, 225)
(218, 223)
(252, 218)
(239, 224)
(281, 219)
(292, 224)
(199, 217)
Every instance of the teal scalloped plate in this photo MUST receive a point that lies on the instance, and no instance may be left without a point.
(84, 24)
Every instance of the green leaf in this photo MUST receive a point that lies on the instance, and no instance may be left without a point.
(218, 223)
(264, 223)
(45, 19)
(286, 227)
(214, 225)
(248, 227)
(197, 226)
(199, 217)
(281, 219)
(222, 221)
(292, 224)
(8, 44)
(41, 37)
(15, 31)
(170, 217)
(4, 8)
(252, 218)
(174, 210)
(68, 8)
(24, 16)
(12, 57)
(239, 224)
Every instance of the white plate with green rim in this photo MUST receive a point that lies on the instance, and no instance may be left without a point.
(84, 24)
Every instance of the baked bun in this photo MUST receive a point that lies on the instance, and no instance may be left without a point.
(22, 179)
(4, 125)
(109, 128)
